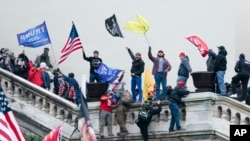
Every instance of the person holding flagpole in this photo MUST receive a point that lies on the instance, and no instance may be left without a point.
(136, 71)
(94, 62)
(161, 67)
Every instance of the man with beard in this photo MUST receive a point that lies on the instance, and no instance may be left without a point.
(94, 62)
(161, 67)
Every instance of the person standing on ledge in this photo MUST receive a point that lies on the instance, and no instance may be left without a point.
(136, 71)
(94, 62)
(161, 67)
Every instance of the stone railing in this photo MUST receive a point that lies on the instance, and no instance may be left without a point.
(206, 114)
(21, 93)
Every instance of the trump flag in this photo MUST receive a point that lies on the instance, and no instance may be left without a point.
(34, 37)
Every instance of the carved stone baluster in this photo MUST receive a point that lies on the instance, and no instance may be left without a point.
(52, 109)
(44, 104)
(37, 102)
(73, 120)
(59, 114)
(9, 89)
(30, 99)
(3, 84)
(65, 117)
(16, 92)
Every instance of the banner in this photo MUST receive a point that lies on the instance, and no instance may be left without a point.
(34, 37)
(198, 42)
(148, 86)
(73, 43)
(107, 74)
(113, 27)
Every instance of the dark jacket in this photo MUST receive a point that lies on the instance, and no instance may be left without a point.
(155, 60)
(242, 66)
(152, 112)
(220, 63)
(94, 62)
(184, 68)
(210, 60)
(176, 95)
(137, 65)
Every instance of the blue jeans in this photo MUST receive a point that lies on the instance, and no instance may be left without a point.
(136, 81)
(175, 119)
(161, 80)
(184, 79)
(220, 80)
(93, 77)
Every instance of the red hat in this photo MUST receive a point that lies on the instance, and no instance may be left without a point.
(181, 83)
(160, 51)
(182, 54)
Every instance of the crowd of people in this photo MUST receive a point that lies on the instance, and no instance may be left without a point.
(41, 73)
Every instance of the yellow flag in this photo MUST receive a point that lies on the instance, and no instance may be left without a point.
(148, 84)
(138, 27)
(143, 22)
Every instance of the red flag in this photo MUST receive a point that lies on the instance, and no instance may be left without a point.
(73, 43)
(9, 129)
(202, 47)
(54, 134)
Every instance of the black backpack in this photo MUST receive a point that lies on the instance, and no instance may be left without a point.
(143, 115)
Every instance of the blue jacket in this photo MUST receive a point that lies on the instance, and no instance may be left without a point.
(184, 68)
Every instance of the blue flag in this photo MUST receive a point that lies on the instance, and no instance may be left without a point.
(34, 37)
(108, 75)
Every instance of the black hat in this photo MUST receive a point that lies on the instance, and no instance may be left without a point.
(221, 47)
(96, 52)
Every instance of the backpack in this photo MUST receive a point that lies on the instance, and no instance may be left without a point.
(68, 92)
(143, 115)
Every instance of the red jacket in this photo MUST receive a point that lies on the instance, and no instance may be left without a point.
(105, 103)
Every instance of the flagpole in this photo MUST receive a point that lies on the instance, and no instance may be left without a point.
(146, 39)
(54, 56)
(124, 41)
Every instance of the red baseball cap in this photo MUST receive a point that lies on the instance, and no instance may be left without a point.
(182, 54)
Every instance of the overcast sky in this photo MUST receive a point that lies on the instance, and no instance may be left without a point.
(170, 22)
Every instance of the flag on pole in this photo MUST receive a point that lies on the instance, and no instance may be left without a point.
(107, 74)
(84, 123)
(148, 86)
(73, 43)
(9, 129)
(113, 27)
(198, 42)
(54, 135)
(140, 27)
(34, 37)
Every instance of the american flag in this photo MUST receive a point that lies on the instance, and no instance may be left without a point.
(73, 43)
(9, 129)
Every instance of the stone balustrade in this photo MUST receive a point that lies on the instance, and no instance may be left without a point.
(21, 92)
(205, 115)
